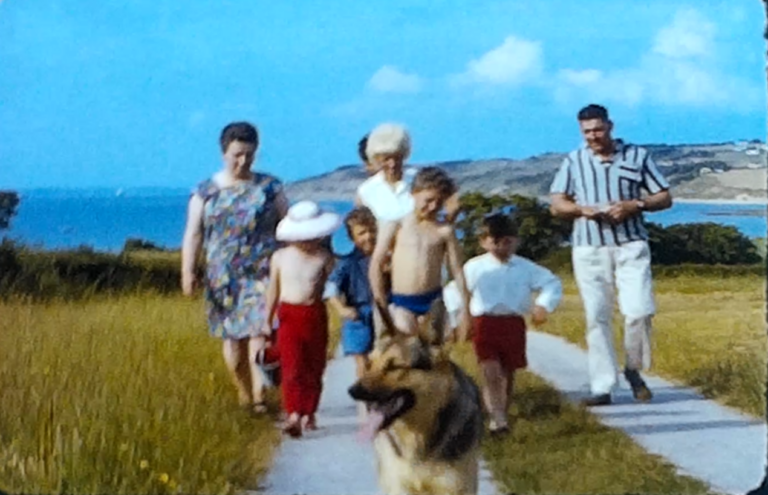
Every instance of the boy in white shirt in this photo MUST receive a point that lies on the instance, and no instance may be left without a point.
(501, 286)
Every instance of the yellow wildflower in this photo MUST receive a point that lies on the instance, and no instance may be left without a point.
(164, 478)
(144, 464)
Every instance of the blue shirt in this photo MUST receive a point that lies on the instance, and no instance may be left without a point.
(350, 279)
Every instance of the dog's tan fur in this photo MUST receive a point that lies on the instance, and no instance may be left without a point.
(432, 448)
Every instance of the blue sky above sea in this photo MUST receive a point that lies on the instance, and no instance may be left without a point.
(134, 93)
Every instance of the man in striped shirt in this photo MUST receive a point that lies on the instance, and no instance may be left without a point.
(599, 187)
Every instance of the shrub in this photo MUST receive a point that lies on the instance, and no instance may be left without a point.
(9, 200)
(540, 233)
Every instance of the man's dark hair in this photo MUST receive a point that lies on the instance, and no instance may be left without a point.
(497, 226)
(238, 131)
(361, 215)
(434, 178)
(593, 111)
(361, 145)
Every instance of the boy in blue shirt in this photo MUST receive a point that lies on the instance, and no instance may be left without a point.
(349, 290)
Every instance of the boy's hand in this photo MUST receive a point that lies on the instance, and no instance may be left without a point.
(349, 313)
(464, 330)
(539, 316)
(266, 329)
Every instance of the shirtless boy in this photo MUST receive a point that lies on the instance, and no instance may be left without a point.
(298, 273)
(419, 245)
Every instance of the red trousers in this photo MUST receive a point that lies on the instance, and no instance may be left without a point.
(303, 341)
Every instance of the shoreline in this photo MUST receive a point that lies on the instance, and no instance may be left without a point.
(746, 202)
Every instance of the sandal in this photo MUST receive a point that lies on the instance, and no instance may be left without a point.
(257, 408)
(292, 429)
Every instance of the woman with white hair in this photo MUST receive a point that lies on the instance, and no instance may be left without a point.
(388, 193)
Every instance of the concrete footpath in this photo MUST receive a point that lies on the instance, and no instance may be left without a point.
(331, 461)
(716, 444)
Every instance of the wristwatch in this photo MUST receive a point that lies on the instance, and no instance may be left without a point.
(640, 205)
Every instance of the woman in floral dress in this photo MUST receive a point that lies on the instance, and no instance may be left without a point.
(233, 216)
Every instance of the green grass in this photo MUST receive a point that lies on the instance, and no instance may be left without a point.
(123, 395)
(709, 332)
(556, 447)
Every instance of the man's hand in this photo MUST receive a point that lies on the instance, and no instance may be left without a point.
(591, 213)
(349, 313)
(539, 316)
(620, 210)
(188, 283)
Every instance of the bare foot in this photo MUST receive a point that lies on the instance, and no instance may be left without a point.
(292, 427)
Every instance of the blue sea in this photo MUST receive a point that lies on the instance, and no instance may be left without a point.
(105, 221)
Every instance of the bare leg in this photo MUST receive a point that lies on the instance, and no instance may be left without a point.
(236, 359)
(361, 364)
(256, 344)
(509, 390)
(404, 320)
(494, 391)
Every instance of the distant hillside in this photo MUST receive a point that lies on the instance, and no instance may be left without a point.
(703, 171)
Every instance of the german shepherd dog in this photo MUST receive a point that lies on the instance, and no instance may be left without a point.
(424, 414)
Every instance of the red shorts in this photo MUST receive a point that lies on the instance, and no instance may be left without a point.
(500, 338)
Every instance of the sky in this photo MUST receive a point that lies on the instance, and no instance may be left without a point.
(132, 93)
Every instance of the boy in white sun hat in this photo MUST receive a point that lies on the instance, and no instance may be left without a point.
(298, 273)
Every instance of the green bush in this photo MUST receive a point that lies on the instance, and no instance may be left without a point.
(701, 243)
(9, 200)
(540, 233)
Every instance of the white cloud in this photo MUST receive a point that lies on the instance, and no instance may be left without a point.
(679, 69)
(513, 62)
(689, 35)
(389, 79)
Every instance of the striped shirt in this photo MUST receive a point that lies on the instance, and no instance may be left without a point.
(592, 181)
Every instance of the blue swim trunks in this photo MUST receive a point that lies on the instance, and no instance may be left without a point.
(419, 304)
(357, 335)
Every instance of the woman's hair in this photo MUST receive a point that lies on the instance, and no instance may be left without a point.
(434, 178)
(361, 145)
(388, 139)
(238, 131)
(496, 226)
(361, 215)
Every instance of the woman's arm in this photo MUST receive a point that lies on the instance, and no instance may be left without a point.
(191, 243)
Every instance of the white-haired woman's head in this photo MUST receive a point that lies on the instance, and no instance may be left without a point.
(388, 139)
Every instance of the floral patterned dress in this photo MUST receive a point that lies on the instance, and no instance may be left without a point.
(239, 239)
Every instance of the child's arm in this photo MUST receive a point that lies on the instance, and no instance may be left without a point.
(384, 243)
(273, 293)
(551, 292)
(453, 252)
(335, 288)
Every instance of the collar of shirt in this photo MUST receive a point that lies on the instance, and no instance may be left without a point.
(490, 259)
(618, 149)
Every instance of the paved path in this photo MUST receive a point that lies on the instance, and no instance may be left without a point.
(705, 440)
(716, 444)
(331, 461)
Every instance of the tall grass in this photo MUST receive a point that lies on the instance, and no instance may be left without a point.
(121, 395)
(709, 332)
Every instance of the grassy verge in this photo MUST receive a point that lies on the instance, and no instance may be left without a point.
(556, 447)
(122, 395)
(709, 332)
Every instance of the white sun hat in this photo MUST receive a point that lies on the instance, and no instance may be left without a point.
(306, 221)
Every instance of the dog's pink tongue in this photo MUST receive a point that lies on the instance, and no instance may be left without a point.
(373, 421)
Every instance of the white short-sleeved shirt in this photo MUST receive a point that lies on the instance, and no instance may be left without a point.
(388, 203)
(506, 288)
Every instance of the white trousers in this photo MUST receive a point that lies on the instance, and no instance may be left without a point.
(598, 271)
